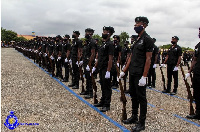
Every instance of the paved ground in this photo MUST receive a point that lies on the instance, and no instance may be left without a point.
(36, 97)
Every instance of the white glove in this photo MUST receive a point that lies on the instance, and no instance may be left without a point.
(93, 69)
(66, 60)
(142, 81)
(123, 67)
(95, 60)
(117, 64)
(77, 63)
(107, 76)
(70, 62)
(87, 68)
(80, 63)
(187, 75)
(45, 54)
(154, 66)
(162, 65)
(121, 75)
(175, 68)
(52, 58)
(59, 58)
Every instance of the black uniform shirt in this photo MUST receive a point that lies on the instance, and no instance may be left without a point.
(125, 52)
(142, 45)
(197, 54)
(51, 48)
(154, 53)
(173, 55)
(105, 50)
(75, 45)
(117, 49)
(44, 47)
(58, 48)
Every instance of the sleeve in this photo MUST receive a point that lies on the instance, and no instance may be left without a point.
(120, 48)
(148, 44)
(111, 49)
(179, 51)
(80, 44)
(196, 50)
(93, 45)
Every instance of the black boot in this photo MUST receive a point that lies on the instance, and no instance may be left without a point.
(100, 104)
(139, 127)
(71, 85)
(75, 87)
(88, 96)
(105, 108)
(132, 120)
(166, 91)
(193, 117)
(84, 93)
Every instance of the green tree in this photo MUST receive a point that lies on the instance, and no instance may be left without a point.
(123, 38)
(96, 36)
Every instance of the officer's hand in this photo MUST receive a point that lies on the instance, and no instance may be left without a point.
(175, 68)
(121, 75)
(123, 67)
(117, 64)
(187, 75)
(80, 63)
(154, 66)
(162, 65)
(66, 60)
(107, 76)
(87, 68)
(96, 60)
(52, 58)
(142, 81)
(93, 69)
(70, 62)
(77, 63)
(59, 58)
(45, 54)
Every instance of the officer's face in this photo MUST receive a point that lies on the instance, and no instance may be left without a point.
(105, 32)
(174, 40)
(137, 24)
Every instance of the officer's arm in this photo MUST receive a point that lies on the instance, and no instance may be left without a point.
(179, 61)
(147, 63)
(166, 59)
(156, 57)
(79, 53)
(119, 57)
(110, 62)
(193, 64)
(67, 54)
(127, 64)
(92, 56)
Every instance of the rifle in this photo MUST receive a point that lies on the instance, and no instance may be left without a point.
(163, 78)
(122, 98)
(188, 90)
(190, 74)
(94, 86)
(81, 73)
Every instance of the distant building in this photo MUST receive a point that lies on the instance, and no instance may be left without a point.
(29, 37)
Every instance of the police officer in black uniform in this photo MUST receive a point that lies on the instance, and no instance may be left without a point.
(195, 67)
(139, 64)
(116, 60)
(173, 60)
(51, 55)
(88, 59)
(76, 51)
(105, 59)
(58, 53)
(152, 72)
(66, 47)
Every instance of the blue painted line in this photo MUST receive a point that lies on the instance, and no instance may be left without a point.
(130, 96)
(84, 101)
(169, 94)
(187, 120)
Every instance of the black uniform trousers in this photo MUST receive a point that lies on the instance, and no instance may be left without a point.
(89, 89)
(114, 75)
(76, 73)
(138, 97)
(196, 87)
(105, 88)
(171, 73)
(66, 65)
(59, 68)
(151, 76)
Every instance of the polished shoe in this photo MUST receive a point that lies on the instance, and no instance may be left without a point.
(75, 87)
(166, 91)
(137, 128)
(104, 109)
(98, 105)
(83, 93)
(65, 80)
(71, 85)
(88, 96)
(131, 120)
(173, 93)
(114, 87)
(193, 117)
(126, 92)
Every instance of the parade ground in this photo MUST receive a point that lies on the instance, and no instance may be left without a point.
(51, 106)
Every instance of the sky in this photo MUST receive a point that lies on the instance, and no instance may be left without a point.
(167, 18)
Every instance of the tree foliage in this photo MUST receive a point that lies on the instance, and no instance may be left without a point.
(123, 38)
(167, 46)
(96, 36)
(9, 35)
